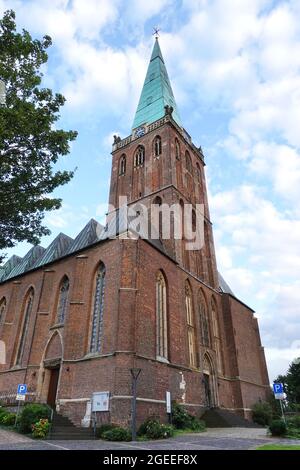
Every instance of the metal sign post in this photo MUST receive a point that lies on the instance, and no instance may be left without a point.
(279, 395)
(169, 406)
(21, 395)
(134, 374)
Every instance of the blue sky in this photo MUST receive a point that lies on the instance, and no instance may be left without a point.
(235, 71)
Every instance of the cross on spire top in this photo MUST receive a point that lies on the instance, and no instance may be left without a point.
(156, 32)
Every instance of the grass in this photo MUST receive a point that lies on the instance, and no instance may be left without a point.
(180, 432)
(177, 432)
(278, 447)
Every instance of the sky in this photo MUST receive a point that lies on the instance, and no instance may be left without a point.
(234, 66)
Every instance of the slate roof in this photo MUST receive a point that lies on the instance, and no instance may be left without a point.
(156, 92)
(89, 235)
(63, 246)
(224, 287)
(27, 262)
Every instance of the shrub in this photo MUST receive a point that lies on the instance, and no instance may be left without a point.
(40, 429)
(117, 434)
(278, 427)
(143, 427)
(103, 428)
(197, 424)
(183, 420)
(152, 429)
(8, 419)
(294, 422)
(180, 417)
(31, 414)
(262, 413)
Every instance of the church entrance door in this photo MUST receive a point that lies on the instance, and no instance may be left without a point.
(53, 383)
(207, 390)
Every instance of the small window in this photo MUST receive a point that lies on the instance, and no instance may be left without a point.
(122, 165)
(149, 100)
(157, 146)
(139, 157)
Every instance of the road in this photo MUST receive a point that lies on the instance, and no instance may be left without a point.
(213, 439)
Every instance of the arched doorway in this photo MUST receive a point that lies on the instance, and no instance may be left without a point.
(49, 375)
(209, 382)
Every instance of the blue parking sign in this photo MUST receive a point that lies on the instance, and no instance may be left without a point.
(22, 389)
(278, 388)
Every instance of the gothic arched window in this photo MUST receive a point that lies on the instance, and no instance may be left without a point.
(161, 317)
(157, 146)
(63, 300)
(139, 156)
(188, 162)
(204, 322)
(24, 327)
(2, 309)
(122, 165)
(97, 322)
(190, 325)
(216, 334)
(177, 149)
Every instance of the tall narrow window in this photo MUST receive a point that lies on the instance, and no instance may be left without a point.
(97, 322)
(24, 327)
(188, 162)
(2, 309)
(177, 149)
(204, 323)
(63, 300)
(122, 165)
(190, 325)
(161, 317)
(198, 171)
(139, 157)
(216, 334)
(157, 146)
(157, 219)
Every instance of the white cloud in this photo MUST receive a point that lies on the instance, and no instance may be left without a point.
(280, 359)
(280, 163)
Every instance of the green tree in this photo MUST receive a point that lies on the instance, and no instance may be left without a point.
(30, 145)
(291, 382)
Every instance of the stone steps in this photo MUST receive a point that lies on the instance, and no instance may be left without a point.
(62, 428)
(219, 418)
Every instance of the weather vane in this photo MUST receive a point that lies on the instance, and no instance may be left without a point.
(156, 32)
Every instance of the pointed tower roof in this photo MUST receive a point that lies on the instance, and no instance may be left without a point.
(156, 93)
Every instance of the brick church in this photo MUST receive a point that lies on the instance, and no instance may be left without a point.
(77, 316)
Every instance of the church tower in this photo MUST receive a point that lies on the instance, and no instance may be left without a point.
(80, 315)
(159, 164)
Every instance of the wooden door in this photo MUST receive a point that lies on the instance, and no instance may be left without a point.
(54, 375)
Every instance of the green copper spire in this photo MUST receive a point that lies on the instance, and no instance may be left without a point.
(156, 93)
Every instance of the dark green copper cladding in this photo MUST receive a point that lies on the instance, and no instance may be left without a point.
(156, 93)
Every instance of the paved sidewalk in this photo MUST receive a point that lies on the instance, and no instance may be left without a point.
(213, 439)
